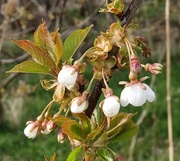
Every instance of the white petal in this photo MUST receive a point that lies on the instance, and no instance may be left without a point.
(30, 134)
(124, 97)
(78, 109)
(137, 95)
(46, 131)
(150, 95)
(67, 77)
(110, 106)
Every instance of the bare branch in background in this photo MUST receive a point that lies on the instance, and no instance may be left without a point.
(17, 59)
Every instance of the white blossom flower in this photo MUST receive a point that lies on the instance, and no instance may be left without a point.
(67, 77)
(77, 106)
(136, 95)
(32, 129)
(111, 106)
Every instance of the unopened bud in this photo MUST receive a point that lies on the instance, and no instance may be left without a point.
(155, 68)
(135, 65)
(61, 136)
(116, 7)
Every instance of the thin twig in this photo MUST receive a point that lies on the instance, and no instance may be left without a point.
(5, 25)
(168, 83)
(17, 59)
(85, 22)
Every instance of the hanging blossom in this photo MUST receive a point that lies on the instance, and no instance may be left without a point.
(47, 126)
(32, 129)
(61, 136)
(79, 105)
(110, 106)
(136, 94)
(67, 76)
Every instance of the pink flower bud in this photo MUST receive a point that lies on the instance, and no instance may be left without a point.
(50, 126)
(61, 136)
(135, 65)
(155, 68)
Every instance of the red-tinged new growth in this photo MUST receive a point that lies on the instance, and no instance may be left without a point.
(155, 68)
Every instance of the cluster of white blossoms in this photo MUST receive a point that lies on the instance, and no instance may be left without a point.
(135, 94)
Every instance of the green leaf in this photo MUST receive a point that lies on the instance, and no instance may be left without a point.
(96, 133)
(39, 55)
(105, 154)
(77, 154)
(30, 67)
(119, 123)
(73, 130)
(61, 119)
(122, 127)
(73, 41)
(125, 135)
(85, 122)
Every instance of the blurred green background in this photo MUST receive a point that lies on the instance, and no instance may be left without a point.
(23, 98)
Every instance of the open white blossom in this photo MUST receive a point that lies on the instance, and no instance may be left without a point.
(32, 129)
(75, 108)
(111, 106)
(136, 95)
(67, 77)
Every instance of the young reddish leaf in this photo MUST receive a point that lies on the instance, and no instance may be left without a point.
(49, 42)
(61, 119)
(40, 35)
(39, 55)
(58, 45)
(77, 154)
(30, 67)
(73, 41)
(73, 130)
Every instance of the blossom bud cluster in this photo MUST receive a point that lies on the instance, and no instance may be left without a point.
(34, 128)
